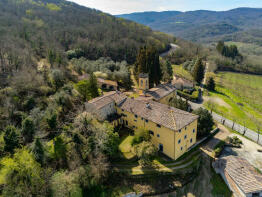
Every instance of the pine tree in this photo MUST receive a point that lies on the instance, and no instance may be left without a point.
(38, 151)
(11, 139)
(92, 86)
(220, 46)
(28, 129)
(198, 71)
(211, 84)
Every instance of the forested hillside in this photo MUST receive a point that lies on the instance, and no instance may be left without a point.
(49, 144)
(34, 28)
(242, 24)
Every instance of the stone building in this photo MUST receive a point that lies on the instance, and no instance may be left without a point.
(240, 176)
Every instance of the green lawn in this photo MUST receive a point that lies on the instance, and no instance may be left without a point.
(241, 96)
(180, 71)
(125, 147)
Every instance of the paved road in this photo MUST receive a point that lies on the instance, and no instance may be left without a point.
(236, 127)
(172, 49)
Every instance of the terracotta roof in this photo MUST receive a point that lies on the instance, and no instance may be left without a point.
(184, 82)
(161, 91)
(158, 113)
(108, 98)
(242, 173)
(108, 82)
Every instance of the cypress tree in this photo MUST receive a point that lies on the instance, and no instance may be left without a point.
(38, 151)
(211, 84)
(92, 86)
(28, 129)
(11, 139)
(148, 62)
(198, 71)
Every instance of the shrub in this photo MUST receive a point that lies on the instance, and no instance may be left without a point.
(145, 152)
(193, 97)
(140, 136)
(205, 122)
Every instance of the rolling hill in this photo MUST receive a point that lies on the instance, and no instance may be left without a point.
(241, 24)
(30, 29)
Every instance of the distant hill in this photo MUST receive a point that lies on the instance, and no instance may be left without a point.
(32, 29)
(241, 24)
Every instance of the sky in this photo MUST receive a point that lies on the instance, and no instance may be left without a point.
(128, 6)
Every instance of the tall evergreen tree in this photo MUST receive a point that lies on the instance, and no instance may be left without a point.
(211, 84)
(148, 62)
(220, 46)
(11, 139)
(38, 151)
(198, 71)
(28, 129)
(167, 71)
(92, 86)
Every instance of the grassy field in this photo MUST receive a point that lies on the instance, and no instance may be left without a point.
(238, 97)
(180, 71)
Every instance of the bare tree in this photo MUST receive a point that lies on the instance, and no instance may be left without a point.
(245, 128)
(258, 132)
(211, 105)
(234, 121)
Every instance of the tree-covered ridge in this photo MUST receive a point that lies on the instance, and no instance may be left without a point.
(31, 28)
(242, 24)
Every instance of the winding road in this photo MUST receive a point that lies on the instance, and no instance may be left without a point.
(173, 47)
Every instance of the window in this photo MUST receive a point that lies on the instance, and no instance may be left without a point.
(191, 140)
(146, 83)
(135, 116)
(146, 120)
(151, 132)
(179, 141)
(142, 118)
(179, 131)
(185, 137)
(135, 120)
(141, 82)
(161, 147)
(122, 110)
(158, 135)
(185, 128)
(158, 125)
(194, 130)
(181, 148)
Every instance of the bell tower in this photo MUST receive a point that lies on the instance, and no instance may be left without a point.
(143, 83)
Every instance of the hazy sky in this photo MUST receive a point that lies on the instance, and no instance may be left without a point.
(128, 6)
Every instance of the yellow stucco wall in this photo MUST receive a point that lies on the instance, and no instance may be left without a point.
(185, 143)
(166, 137)
(165, 100)
(143, 85)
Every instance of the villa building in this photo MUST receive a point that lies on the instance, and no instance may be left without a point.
(172, 130)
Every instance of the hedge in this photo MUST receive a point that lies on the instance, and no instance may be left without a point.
(193, 97)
